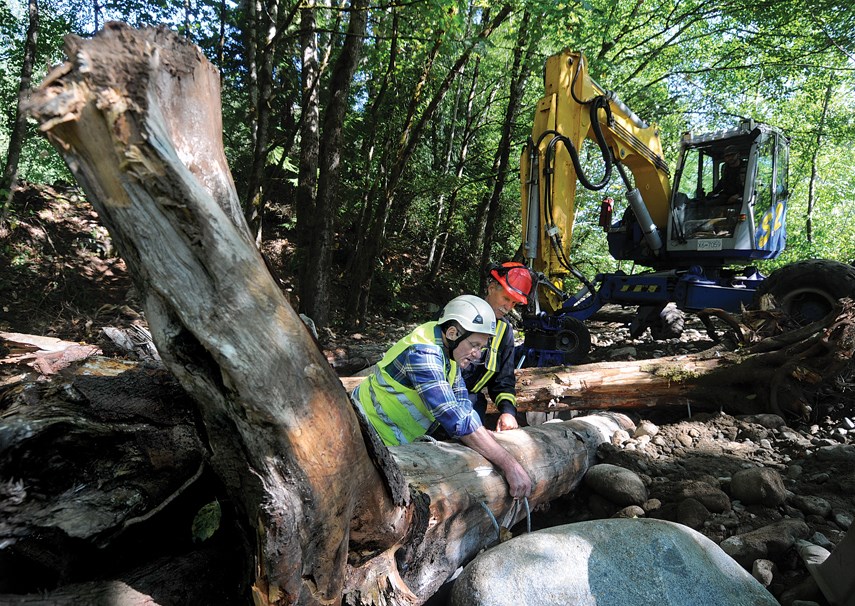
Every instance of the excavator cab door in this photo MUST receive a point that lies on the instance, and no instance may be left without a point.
(771, 194)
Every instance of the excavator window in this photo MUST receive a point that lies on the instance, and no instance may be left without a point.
(700, 210)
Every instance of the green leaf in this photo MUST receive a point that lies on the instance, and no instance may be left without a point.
(206, 522)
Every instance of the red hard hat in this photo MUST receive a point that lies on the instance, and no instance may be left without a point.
(515, 278)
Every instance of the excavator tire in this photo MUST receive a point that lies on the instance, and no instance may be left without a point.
(670, 325)
(574, 340)
(808, 290)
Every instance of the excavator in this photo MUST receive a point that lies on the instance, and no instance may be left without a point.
(696, 236)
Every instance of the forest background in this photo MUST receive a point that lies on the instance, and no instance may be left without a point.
(376, 144)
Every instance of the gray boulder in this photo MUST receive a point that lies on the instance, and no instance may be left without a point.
(769, 542)
(615, 562)
(713, 498)
(758, 485)
(618, 485)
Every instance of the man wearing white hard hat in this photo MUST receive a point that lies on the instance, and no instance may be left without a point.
(417, 387)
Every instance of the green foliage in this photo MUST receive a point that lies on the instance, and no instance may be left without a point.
(206, 522)
(695, 65)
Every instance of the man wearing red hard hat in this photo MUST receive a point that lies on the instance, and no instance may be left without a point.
(508, 285)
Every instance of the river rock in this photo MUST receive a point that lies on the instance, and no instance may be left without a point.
(616, 562)
(714, 499)
(811, 505)
(758, 485)
(766, 542)
(618, 485)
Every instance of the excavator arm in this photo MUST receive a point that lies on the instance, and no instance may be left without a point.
(573, 109)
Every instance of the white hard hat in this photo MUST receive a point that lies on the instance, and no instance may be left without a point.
(472, 313)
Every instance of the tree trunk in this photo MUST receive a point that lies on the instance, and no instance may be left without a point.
(19, 128)
(487, 220)
(315, 295)
(814, 172)
(307, 178)
(262, 31)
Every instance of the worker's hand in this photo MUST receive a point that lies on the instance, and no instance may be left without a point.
(506, 422)
(483, 442)
(518, 480)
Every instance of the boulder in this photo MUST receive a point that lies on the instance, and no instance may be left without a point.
(618, 485)
(713, 498)
(768, 542)
(615, 562)
(758, 486)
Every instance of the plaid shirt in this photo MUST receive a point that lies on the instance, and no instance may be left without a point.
(424, 368)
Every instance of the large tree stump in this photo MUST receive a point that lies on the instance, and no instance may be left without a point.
(136, 116)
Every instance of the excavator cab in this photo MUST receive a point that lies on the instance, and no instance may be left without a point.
(729, 200)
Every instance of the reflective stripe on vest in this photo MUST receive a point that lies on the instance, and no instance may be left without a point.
(492, 356)
(397, 412)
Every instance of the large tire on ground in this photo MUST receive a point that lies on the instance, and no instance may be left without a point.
(808, 290)
(670, 324)
(574, 340)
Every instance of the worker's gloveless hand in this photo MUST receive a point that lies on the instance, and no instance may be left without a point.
(506, 422)
(518, 481)
(483, 442)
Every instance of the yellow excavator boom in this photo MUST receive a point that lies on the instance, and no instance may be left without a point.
(565, 110)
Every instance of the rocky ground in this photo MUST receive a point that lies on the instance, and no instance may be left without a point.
(754, 485)
(758, 487)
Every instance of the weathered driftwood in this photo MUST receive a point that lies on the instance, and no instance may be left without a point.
(136, 116)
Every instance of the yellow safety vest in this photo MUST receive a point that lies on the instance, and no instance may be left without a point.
(398, 413)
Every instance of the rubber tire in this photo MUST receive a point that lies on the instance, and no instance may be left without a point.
(670, 325)
(574, 339)
(808, 290)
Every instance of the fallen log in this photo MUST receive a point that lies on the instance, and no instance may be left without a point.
(604, 385)
(775, 374)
